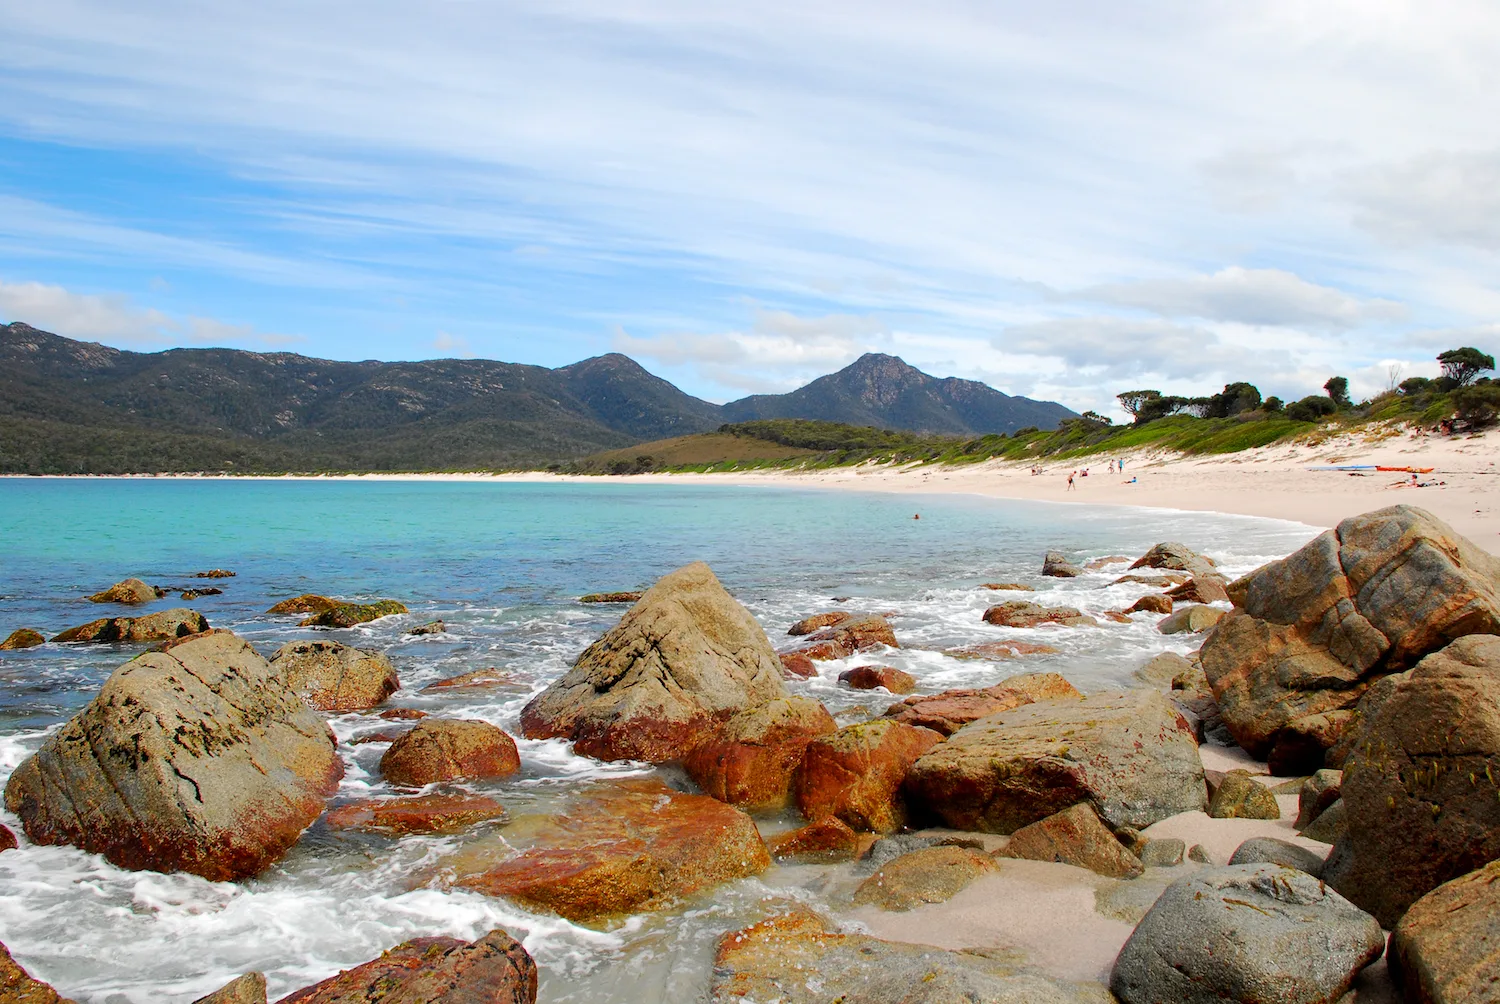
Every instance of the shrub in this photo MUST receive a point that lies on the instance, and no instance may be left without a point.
(1311, 408)
(1478, 406)
(1415, 385)
(1272, 404)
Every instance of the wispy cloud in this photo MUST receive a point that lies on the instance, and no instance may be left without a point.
(1262, 296)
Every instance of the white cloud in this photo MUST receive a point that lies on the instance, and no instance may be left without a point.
(1257, 296)
(119, 320)
(1438, 197)
(453, 345)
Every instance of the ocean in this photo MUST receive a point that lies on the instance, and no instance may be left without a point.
(502, 563)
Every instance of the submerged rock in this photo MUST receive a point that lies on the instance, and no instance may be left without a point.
(1249, 934)
(1075, 836)
(346, 615)
(817, 622)
(430, 628)
(1311, 632)
(193, 594)
(447, 749)
(1016, 586)
(857, 772)
(492, 970)
(620, 597)
(625, 847)
(797, 958)
(1151, 603)
(18, 987)
(663, 681)
(214, 573)
(750, 762)
(490, 678)
(929, 875)
(1446, 949)
(1026, 614)
(874, 677)
(129, 592)
(1128, 754)
(1057, 565)
(1007, 648)
(198, 758)
(7, 838)
(165, 625)
(332, 676)
(22, 638)
(1421, 786)
(247, 989)
(828, 839)
(847, 637)
(445, 812)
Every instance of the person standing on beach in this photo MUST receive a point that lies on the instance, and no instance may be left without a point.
(1070, 479)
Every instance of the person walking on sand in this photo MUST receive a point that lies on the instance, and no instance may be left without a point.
(1111, 466)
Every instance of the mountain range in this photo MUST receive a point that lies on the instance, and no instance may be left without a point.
(79, 407)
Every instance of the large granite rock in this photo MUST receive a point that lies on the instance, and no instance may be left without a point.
(1246, 934)
(1446, 949)
(1239, 797)
(750, 762)
(951, 710)
(1311, 632)
(332, 676)
(1026, 614)
(846, 637)
(1057, 565)
(18, 987)
(798, 958)
(1130, 755)
(928, 875)
(130, 592)
(1270, 850)
(856, 773)
(448, 749)
(197, 758)
(164, 625)
(493, 970)
(624, 847)
(818, 622)
(663, 681)
(1177, 557)
(1075, 836)
(1421, 786)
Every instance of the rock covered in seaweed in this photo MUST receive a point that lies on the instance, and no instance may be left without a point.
(197, 758)
(164, 625)
(346, 615)
(663, 681)
(22, 638)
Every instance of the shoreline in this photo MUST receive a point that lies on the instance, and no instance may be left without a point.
(1272, 482)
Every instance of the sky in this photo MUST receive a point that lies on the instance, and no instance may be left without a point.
(1063, 200)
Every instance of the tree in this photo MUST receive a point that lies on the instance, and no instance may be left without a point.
(1338, 391)
(1272, 404)
(1094, 418)
(1477, 406)
(1235, 398)
(1461, 366)
(1132, 401)
(1414, 385)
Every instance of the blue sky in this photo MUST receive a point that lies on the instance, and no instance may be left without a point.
(1063, 200)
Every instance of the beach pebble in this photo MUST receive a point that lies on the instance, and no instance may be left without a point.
(1271, 850)
(1251, 934)
(1163, 852)
(447, 749)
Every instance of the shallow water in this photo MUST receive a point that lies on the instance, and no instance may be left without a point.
(502, 564)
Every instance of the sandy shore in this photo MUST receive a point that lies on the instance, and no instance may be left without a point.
(1274, 482)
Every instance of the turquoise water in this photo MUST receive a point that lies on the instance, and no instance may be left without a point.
(502, 564)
